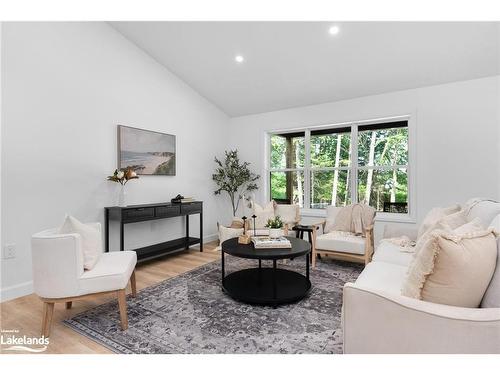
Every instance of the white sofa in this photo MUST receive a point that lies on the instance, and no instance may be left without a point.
(377, 319)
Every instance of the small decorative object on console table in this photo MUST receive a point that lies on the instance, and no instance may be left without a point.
(122, 176)
(275, 227)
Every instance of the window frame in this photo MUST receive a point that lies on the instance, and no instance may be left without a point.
(409, 217)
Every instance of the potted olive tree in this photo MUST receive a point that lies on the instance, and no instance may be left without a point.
(234, 177)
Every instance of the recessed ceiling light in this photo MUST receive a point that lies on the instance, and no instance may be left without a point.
(239, 59)
(334, 30)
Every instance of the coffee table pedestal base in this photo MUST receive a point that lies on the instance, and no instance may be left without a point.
(266, 286)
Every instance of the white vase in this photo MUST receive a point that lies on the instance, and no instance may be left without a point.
(275, 232)
(122, 196)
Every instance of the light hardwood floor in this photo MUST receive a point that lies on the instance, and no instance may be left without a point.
(25, 313)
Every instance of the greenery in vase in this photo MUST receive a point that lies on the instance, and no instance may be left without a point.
(234, 177)
(275, 223)
(122, 176)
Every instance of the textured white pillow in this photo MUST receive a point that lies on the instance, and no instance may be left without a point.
(91, 240)
(289, 213)
(263, 215)
(492, 296)
(226, 233)
(453, 269)
(434, 215)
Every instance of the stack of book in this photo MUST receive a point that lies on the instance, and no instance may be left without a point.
(187, 200)
(269, 243)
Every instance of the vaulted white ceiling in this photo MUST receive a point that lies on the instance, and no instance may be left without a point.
(292, 64)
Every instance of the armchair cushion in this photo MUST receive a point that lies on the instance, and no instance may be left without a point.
(341, 242)
(111, 272)
(91, 239)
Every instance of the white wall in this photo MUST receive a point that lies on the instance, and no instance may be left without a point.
(65, 88)
(457, 136)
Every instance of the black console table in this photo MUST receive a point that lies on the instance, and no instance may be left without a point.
(155, 211)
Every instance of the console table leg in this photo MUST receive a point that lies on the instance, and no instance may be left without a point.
(106, 230)
(121, 236)
(187, 231)
(201, 230)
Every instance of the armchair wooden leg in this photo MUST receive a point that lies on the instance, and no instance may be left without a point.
(48, 312)
(122, 305)
(69, 304)
(133, 285)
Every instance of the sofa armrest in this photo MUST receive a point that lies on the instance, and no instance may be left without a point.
(398, 230)
(378, 322)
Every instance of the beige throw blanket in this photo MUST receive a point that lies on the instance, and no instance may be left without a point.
(355, 218)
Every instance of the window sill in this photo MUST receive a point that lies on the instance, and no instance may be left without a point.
(380, 217)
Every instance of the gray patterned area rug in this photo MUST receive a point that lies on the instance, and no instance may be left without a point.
(190, 314)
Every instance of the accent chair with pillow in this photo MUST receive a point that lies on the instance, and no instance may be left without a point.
(440, 296)
(347, 234)
(289, 214)
(68, 264)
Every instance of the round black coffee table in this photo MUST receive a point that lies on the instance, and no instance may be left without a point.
(265, 285)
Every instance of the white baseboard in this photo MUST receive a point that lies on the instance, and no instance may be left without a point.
(211, 237)
(15, 291)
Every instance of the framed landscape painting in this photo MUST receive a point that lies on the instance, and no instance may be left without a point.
(147, 152)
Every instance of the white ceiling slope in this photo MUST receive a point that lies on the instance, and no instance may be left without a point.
(292, 64)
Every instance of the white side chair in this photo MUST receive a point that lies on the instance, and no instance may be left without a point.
(59, 276)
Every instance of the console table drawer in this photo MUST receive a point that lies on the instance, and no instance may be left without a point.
(190, 208)
(133, 214)
(167, 211)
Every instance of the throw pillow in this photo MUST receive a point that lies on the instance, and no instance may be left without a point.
(237, 223)
(447, 222)
(331, 215)
(226, 233)
(434, 216)
(263, 215)
(453, 269)
(491, 298)
(289, 213)
(91, 240)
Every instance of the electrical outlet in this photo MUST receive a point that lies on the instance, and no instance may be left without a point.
(9, 251)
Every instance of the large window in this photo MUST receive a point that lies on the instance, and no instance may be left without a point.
(287, 168)
(340, 165)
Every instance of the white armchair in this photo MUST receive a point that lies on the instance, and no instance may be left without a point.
(59, 276)
(343, 245)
